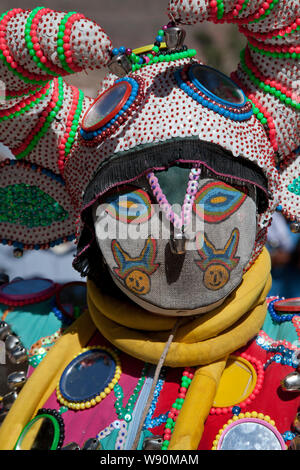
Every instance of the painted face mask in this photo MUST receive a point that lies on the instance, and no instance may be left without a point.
(177, 242)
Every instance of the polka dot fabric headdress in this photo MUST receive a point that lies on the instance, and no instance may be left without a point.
(162, 107)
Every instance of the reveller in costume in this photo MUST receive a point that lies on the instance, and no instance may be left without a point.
(179, 347)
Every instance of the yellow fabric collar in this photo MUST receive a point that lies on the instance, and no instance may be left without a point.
(202, 339)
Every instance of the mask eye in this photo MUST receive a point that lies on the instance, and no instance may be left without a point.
(215, 91)
(134, 207)
(111, 109)
(216, 201)
(216, 85)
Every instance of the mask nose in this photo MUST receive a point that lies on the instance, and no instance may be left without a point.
(177, 242)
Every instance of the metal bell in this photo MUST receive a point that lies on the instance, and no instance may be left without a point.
(174, 38)
(120, 65)
(178, 243)
(295, 227)
(295, 444)
(16, 380)
(296, 423)
(291, 383)
(92, 444)
(17, 355)
(11, 341)
(5, 330)
(71, 446)
(152, 443)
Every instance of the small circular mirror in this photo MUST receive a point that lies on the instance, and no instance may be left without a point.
(217, 85)
(86, 377)
(44, 432)
(288, 305)
(106, 106)
(251, 434)
(26, 291)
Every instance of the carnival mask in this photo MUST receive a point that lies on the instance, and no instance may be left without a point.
(177, 242)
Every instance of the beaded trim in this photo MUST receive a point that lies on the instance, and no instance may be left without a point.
(125, 412)
(136, 97)
(294, 187)
(63, 42)
(41, 347)
(265, 10)
(6, 55)
(22, 107)
(103, 394)
(72, 123)
(186, 380)
(33, 45)
(258, 386)
(151, 422)
(268, 86)
(230, 112)
(45, 121)
(217, 11)
(279, 318)
(14, 94)
(252, 414)
(280, 52)
(184, 218)
(155, 54)
(279, 33)
(261, 113)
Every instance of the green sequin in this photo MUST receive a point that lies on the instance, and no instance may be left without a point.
(29, 206)
(294, 187)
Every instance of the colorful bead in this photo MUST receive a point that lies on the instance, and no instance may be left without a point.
(235, 409)
(294, 187)
(281, 52)
(25, 105)
(72, 123)
(64, 51)
(265, 10)
(7, 57)
(151, 422)
(185, 216)
(261, 113)
(230, 112)
(268, 86)
(47, 117)
(125, 412)
(32, 42)
(279, 318)
(186, 380)
(137, 94)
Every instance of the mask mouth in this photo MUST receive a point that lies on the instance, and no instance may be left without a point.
(165, 311)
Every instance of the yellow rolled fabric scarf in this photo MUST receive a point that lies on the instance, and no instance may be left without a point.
(200, 341)
(203, 341)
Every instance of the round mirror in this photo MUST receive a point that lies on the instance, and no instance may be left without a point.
(44, 432)
(251, 434)
(106, 106)
(288, 305)
(26, 291)
(217, 86)
(71, 298)
(87, 377)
